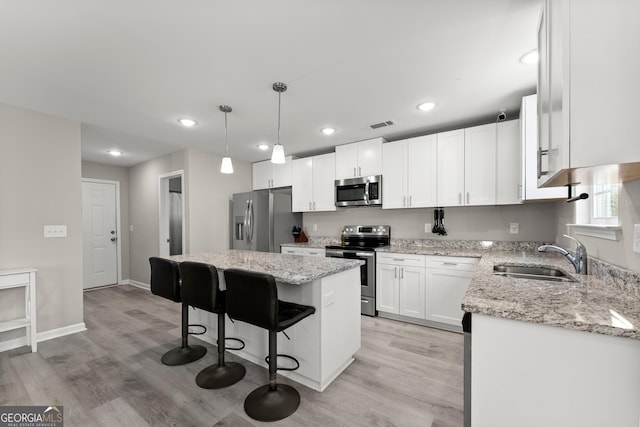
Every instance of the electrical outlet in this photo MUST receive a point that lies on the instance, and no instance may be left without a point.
(427, 227)
(315, 227)
(514, 228)
(55, 231)
(636, 238)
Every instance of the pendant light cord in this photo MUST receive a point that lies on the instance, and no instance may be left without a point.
(226, 135)
(279, 98)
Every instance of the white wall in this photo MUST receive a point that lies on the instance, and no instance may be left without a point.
(143, 211)
(537, 222)
(121, 175)
(619, 252)
(39, 185)
(209, 194)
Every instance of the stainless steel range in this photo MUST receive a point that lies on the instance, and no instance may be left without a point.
(360, 242)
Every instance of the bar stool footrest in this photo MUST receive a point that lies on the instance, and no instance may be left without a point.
(278, 368)
(234, 348)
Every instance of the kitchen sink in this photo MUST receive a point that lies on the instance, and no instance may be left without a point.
(532, 272)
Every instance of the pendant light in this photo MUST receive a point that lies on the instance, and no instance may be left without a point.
(226, 166)
(278, 150)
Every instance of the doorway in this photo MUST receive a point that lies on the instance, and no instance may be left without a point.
(172, 227)
(100, 233)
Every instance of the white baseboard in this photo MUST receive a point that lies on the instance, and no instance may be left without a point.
(124, 282)
(139, 285)
(60, 332)
(14, 343)
(43, 336)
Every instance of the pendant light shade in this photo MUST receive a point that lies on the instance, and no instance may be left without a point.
(226, 166)
(278, 150)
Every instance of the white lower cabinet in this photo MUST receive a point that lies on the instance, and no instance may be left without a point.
(424, 287)
(295, 250)
(447, 281)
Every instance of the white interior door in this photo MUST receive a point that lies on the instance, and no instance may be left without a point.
(100, 234)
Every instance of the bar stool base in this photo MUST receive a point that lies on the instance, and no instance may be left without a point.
(216, 376)
(183, 355)
(264, 404)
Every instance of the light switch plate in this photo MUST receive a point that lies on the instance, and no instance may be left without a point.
(514, 227)
(636, 238)
(427, 227)
(55, 231)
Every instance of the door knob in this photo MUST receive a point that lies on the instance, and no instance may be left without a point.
(113, 239)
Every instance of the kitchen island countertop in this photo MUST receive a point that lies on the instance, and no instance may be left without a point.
(292, 269)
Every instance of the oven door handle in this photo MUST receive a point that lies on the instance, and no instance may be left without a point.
(365, 254)
(334, 253)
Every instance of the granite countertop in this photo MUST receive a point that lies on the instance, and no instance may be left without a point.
(606, 301)
(293, 269)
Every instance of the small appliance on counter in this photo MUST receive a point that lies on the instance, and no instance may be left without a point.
(360, 242)
(262, 220)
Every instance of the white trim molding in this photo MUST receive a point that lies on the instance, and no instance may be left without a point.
(607, 232)
(139, 285)
(43, 336)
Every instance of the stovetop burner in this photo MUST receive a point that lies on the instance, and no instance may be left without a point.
(364, 237)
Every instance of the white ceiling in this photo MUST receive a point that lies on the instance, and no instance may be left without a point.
(128, 69)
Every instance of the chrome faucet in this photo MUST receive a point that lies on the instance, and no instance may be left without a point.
(579, 261)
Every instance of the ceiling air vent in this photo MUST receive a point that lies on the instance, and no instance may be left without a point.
(382, 124)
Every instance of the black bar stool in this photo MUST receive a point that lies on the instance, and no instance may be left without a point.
(253, 298)
(165, 282)
(201, 289)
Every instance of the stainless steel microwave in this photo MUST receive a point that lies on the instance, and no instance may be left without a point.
(363, 191)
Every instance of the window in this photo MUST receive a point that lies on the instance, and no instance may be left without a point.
(601, 208)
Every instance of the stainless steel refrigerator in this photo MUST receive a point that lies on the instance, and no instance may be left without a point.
(262, 220)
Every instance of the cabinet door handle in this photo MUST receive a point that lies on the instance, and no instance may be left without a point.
(314, 206)
(409, 201)
(449, 263)
(354, 171)
(459, 198)
(359, 171)
(402, 273)
(309, 205)
(404, 201)
(395, 272)
(541, 153)
(467, 197)
(398, 259)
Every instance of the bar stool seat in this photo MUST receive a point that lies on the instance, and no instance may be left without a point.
(165, 282)
(201, 289)
(253, 298)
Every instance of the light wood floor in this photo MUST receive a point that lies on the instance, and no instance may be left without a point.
(111, 375)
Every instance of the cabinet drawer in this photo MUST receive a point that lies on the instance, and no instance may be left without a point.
(403, 260)
(453, 263)
(14, 280)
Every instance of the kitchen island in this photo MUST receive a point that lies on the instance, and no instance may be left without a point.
(323, 343)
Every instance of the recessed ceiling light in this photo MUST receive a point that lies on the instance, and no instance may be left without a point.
(530, 57)
(328, 131)
(427, 106)
(263, 147)
(186, 122)
(115, 153)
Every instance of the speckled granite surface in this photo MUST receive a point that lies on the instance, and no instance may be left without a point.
(315, 242)
(606, 301)
(294, 269)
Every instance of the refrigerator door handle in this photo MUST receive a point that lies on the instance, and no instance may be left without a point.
(250, 221)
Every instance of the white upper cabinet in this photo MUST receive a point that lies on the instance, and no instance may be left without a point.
(529, 147)
(313, 184)
(409, 173)
(467, 166)
(480, 165)
(362, 158)
(588, 79)
(508, 171)
(450, 168)
(272, 175)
